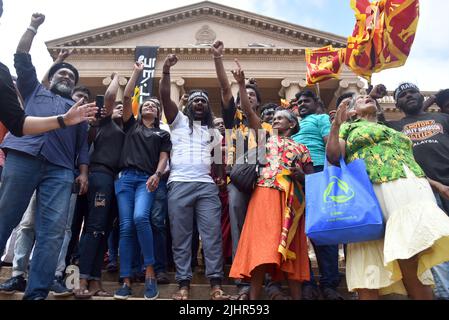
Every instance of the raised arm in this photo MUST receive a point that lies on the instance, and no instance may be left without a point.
(429, 102)
(254, 120)
(378, 92)
(25, 42)
(170, 108)
(111, 94)
(335, 147)
(129, 91)
(63, 54)
(226, 93)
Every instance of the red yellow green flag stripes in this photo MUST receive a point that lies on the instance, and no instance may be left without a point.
(323, 64)
(293, 211)
(400, 25)
(383, 35)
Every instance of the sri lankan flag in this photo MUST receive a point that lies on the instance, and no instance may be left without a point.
(323, 64)
(383, 35)
(400, 25)
(135, 102)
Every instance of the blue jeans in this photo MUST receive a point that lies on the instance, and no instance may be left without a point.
(441, 271)
(60, 268)
(327, 258)
(22, 175)
(114, 236)
(93, 242)
(159, 213)
(134, 204)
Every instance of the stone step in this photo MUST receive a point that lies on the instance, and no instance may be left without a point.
(197, 292)
(198, 276)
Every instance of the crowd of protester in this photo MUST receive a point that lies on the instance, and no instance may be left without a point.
(79, 185)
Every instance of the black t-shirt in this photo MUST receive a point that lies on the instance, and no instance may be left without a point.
(143, 146)
(430, 135)
(11, 115)
(106, 150)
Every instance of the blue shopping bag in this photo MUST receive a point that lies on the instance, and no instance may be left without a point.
(341, 206)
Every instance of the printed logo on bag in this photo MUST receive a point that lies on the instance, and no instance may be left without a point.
(338, 191)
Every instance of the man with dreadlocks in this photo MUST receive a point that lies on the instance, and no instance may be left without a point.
(191, 190)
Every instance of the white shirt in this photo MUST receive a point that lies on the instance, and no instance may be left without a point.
(191, 158)
(165, 127)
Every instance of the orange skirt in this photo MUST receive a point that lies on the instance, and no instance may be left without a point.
(260, 239)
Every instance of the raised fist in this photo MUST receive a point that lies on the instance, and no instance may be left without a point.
(217, 48)
(37, 19)
(171, 60)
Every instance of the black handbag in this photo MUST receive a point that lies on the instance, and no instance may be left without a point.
(245, 171)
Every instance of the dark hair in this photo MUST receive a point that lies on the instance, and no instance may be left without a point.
(269, 105)
(156, 101)
(208, 119)
(256, 90)
(307, 93)
(81, 89)
(442, 96)
(343, 97)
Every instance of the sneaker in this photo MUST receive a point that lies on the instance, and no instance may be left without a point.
(123, 293)
(58, 288)
(310, 293)
(13, 285)
(162, 278)
(331, 294)
(151, 292)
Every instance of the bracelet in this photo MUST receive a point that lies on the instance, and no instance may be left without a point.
(32, 29)
(61, 122)
(219, 57)
(168, 73)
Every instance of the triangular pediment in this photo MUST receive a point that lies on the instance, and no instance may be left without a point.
(201, 24)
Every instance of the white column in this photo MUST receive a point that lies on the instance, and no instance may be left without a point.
(234, 88)
(122, 81)
(176, 89)
(289, 88)
(345, 86)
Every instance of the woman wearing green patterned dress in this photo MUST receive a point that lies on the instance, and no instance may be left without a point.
(417, 231)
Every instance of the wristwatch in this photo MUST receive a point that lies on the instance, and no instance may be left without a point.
(159, 174)
(61, 122)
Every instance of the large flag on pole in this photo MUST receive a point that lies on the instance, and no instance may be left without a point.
(401, 22)
(383, 35)
(323, 64)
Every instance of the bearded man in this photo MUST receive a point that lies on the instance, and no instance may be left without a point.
(43, 162)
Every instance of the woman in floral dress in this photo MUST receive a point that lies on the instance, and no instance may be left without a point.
(417, 231)
(273, 238)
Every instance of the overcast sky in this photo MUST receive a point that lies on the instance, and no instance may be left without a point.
(427, 66)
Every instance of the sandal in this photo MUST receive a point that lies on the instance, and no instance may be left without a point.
(242, 295)
(82, 293)
(101, 293)
(280, 296)
(181, 294)
(216, 293)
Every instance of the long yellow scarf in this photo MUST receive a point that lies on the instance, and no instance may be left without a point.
(293, 210)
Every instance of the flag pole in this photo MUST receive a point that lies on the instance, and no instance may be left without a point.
(318, 91)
